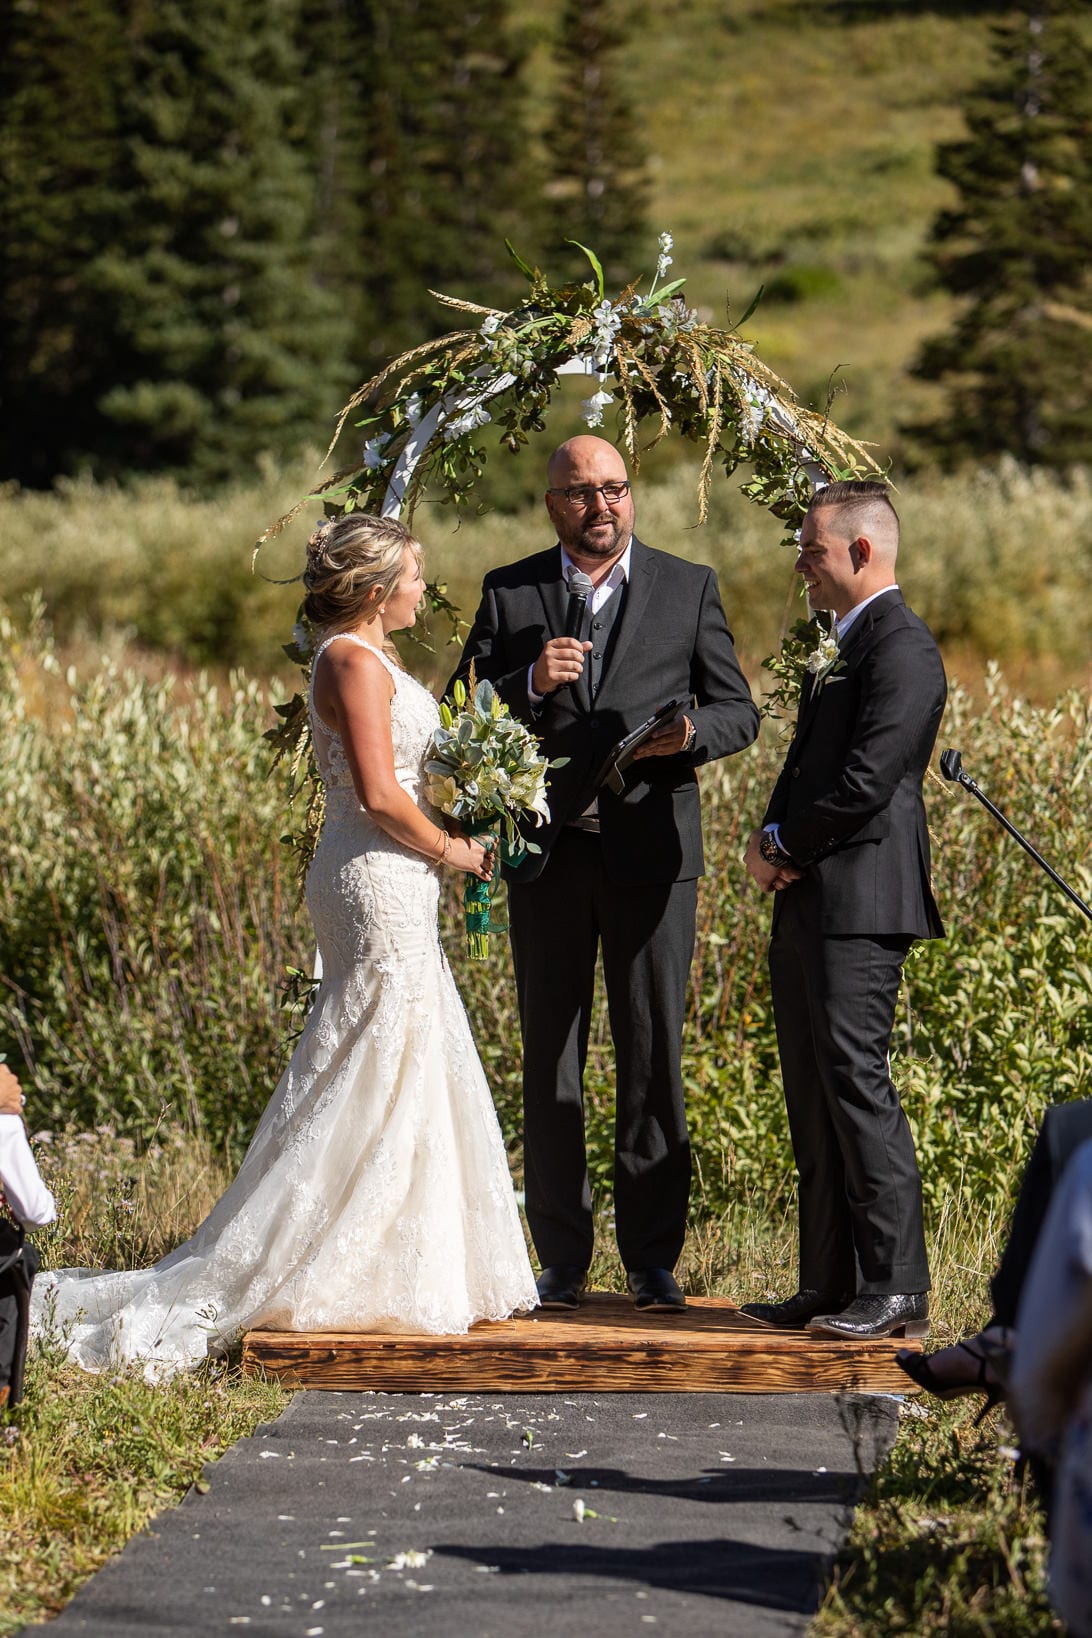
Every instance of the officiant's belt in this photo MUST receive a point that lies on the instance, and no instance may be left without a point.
(587, 822)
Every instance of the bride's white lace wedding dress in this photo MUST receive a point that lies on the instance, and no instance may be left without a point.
(375, 1193)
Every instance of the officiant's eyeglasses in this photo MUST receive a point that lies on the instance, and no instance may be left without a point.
(583, 494)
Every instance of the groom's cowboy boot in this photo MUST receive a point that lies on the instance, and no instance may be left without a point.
(561, 1286)
(877, 1314)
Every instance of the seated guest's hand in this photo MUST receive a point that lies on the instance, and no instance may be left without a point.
(11, 1096)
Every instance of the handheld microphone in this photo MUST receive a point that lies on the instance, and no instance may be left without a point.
(580, 589)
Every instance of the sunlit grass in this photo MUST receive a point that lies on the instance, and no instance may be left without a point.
(996, 562)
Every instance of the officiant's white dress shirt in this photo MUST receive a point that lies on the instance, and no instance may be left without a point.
(606, 588)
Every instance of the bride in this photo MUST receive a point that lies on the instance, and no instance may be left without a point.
(375, 1193)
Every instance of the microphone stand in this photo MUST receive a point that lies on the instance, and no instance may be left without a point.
(951, 766)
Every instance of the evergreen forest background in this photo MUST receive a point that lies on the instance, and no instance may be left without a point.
(221, 215)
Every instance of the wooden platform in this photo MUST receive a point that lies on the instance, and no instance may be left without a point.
(604, 1346)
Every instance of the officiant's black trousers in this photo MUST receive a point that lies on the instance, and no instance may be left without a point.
(646, 932)
(834, 998)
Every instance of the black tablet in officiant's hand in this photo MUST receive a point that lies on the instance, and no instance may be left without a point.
(621, 755)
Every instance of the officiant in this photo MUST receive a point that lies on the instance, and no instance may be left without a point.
(585, 665)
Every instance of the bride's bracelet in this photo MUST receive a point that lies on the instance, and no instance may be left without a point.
(445, 849)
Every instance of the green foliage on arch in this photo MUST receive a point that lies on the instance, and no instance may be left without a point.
(671, 373)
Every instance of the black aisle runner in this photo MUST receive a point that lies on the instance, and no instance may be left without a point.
(405, 1514)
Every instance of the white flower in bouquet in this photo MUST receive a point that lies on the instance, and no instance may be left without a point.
(486, 770)
(484, 767)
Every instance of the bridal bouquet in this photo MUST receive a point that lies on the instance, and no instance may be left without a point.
(485, 769)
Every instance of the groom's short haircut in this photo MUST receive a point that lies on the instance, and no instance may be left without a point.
(864, 508)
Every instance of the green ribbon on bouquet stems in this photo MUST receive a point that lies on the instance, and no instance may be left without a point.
(478, 896)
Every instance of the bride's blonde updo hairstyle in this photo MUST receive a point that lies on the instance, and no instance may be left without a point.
(354, 563)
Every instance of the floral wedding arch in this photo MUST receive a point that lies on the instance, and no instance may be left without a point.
(425, 414)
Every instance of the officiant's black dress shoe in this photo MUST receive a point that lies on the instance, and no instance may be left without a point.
(794, 1313)
(561, 1286)
(655, 1291)
(877, 1315)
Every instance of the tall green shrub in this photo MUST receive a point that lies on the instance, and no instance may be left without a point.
(147, 922)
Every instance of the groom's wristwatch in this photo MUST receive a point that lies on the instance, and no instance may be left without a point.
(770, 851)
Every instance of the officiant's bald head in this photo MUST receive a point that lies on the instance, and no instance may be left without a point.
(589, 499)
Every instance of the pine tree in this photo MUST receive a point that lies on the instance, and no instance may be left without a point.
(1017, 248)
(225, 346)
(332, 125)
(167, 314)
(446, 175)
(63, 76)
(598, 182)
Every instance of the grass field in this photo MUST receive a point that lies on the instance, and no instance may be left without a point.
(146, 925)
(997, 561)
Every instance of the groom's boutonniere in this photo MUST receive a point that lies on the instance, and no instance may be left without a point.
(810, 648)
(825, 658)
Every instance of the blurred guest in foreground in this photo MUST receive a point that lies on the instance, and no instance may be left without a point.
(979, 1364)
(25, 1202)
(1050, 1386)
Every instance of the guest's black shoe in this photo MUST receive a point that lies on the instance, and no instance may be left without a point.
(877, 1315)
(986, 1364)
(655, 1291)
(795, 1312)
(561, 1286)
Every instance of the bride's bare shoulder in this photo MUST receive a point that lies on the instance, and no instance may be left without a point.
(348, 666)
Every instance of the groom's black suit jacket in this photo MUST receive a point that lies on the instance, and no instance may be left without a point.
(671, 642)
(848, 802)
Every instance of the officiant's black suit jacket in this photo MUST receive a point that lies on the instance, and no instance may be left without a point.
(848, 802)
(671, 642)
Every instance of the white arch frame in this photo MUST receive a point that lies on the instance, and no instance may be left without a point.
(459, 401)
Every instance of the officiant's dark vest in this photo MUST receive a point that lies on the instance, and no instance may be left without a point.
(600, 630)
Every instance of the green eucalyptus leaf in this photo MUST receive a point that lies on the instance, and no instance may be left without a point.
(596, 266)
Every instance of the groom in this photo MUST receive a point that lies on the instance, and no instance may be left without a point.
(615, 872)
(844, 846)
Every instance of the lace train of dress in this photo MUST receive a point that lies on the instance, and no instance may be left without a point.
(375, 1193)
